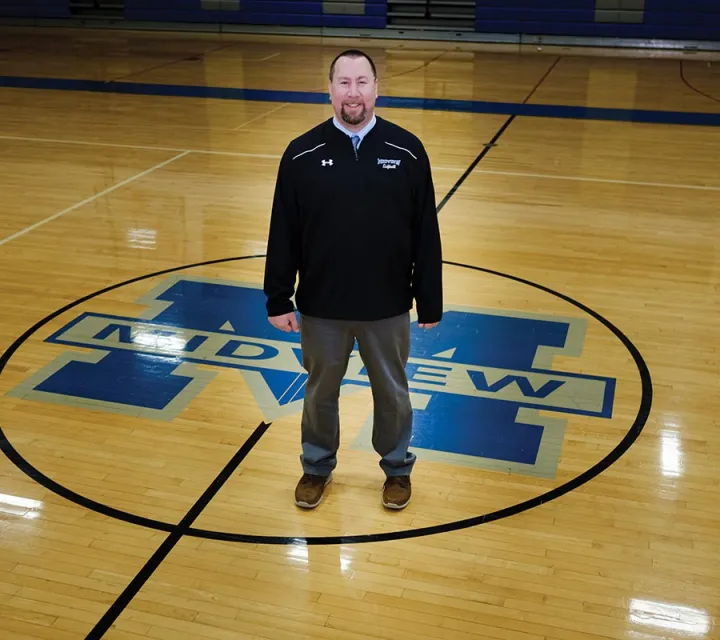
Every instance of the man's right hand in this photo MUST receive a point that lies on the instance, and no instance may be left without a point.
(287, 322)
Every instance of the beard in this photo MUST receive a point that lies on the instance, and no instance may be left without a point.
(353, 120)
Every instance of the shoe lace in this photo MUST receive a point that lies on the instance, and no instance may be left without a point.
(401, 481)
(308, 480)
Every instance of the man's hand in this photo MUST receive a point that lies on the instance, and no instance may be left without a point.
(287, 322)
(428, 326)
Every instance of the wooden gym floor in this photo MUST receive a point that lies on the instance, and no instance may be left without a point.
(567, 407)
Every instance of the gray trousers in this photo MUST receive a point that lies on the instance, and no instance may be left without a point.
(384, 347)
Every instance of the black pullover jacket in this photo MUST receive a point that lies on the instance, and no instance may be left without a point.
(360, 229)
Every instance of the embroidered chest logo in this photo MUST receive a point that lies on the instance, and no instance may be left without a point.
(327, 163)
(386, 163)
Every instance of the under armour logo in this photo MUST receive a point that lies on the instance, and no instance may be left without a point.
(325, 163)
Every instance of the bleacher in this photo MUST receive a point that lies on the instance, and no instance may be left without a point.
(367, 14)
(34, 8)
(666, 19)
(633, 19)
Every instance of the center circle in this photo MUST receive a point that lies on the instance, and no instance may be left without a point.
(185, 528)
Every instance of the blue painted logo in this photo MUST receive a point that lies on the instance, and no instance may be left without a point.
(483, 388)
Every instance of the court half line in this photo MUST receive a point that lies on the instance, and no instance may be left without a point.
(474, 163)
(93, 198)
(137, 583)
(185, 525)
(496, 137)
(184, 528)
(395, 102)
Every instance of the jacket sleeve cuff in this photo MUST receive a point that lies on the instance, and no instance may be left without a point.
(429, 317)
(275, 308)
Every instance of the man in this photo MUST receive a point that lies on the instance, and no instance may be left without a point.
(354, 215)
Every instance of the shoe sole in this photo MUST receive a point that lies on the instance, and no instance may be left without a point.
(307, 505)
(392, 505)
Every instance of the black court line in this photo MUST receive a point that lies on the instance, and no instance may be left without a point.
(184, 527)
(475, 163)
(185, 58)
(413, 70)
(167, 546)
(422, 66)
(691, 86)
(633, 433)
(546, 74)
(38, 476)
(494, 140)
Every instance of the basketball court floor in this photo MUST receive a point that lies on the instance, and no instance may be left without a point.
(566, 409)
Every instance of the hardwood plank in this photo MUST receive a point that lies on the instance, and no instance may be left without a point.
(619, 216)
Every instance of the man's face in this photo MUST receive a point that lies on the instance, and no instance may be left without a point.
(353, 91)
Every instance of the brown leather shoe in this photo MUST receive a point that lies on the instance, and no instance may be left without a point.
(396, 492)
(310, 490)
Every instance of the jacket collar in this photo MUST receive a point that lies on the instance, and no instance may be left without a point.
(362, 133)
(334, 133)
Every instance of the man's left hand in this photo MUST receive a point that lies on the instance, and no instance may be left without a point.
(428, 326)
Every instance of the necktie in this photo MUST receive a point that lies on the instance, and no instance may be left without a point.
(356, 143)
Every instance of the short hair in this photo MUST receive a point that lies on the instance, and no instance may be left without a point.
(352, 53)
